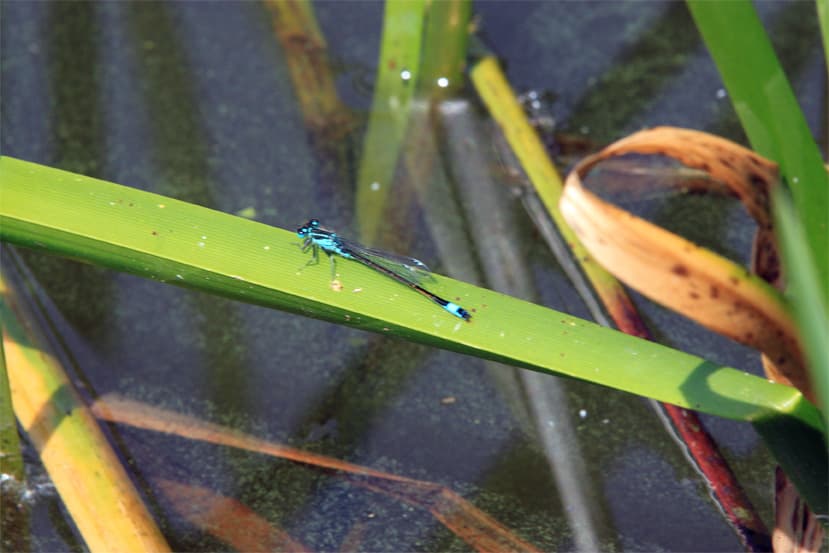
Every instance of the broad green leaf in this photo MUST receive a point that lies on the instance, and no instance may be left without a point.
(188, 245)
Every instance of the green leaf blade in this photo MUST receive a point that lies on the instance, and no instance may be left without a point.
(769, 112)
(188, 245)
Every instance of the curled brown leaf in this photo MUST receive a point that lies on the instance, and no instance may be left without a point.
(700, 284)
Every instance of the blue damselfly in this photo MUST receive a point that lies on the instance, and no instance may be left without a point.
(404, 270)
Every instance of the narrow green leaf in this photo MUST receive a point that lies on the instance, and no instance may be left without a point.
(188, 245)
(74, 451)
(823, 17)
(768, 110)
(444, 48)
(804, 293)
(398, 71)
(11, 460)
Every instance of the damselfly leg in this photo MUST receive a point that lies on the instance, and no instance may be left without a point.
(309, 244)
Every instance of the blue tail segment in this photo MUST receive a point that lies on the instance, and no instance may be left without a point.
(457, 311)
(406, 271)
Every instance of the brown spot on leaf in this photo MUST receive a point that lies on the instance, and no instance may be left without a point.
(680, 270)
(757, 180)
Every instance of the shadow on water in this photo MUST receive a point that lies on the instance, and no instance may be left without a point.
(78, 142)
(659, 54)
(180, 156)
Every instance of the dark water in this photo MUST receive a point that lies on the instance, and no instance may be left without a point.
(194, 101)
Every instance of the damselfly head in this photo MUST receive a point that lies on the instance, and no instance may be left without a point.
(306, 229)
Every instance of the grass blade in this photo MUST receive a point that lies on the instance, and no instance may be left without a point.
(770, 115)
(809, 312)
(398, 72)
(93, 485)
(184, 244)
(188, 245)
